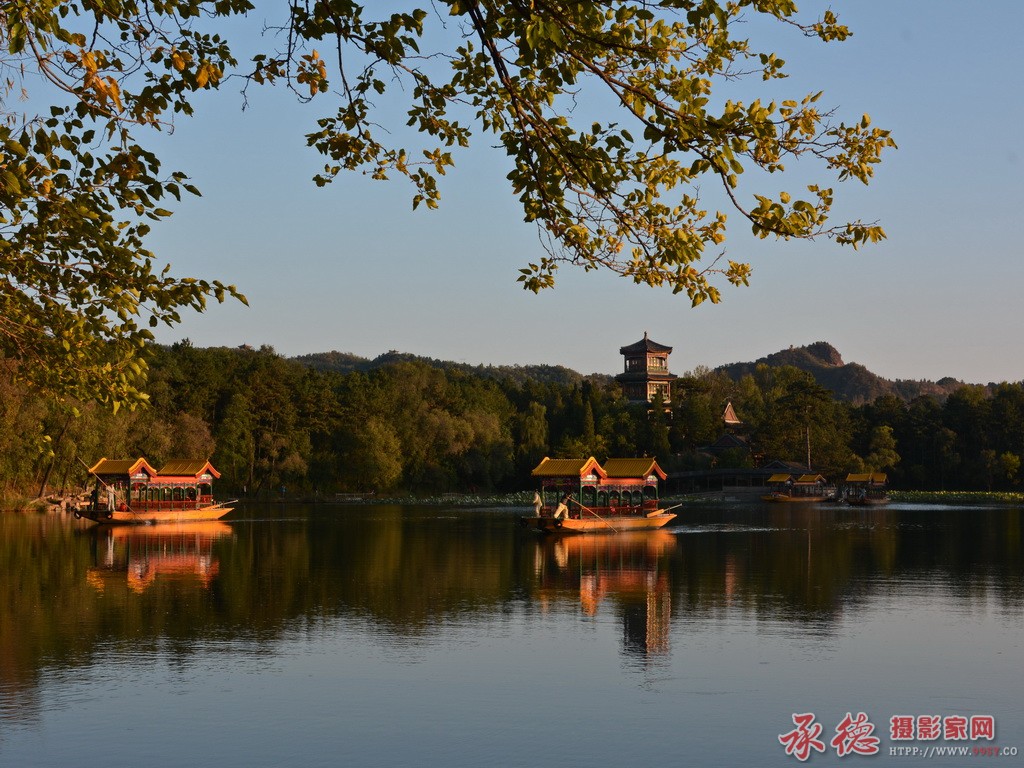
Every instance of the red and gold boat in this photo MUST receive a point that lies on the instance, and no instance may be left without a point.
(132, 491)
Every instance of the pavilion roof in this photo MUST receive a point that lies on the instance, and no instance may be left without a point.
(633, 468)
(188, 468)
(568, 468)
(729, 415)
(869, 478)
(644, 345)
(107, 466)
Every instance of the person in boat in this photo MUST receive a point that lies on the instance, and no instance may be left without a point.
(538, 503)
(562, 510)
(95, 497)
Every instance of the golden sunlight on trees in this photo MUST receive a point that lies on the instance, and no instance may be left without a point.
(79, 291)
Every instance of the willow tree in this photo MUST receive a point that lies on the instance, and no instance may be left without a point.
(617, 193)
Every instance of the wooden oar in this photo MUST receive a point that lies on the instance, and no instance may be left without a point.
(662, 511)
(588, 509)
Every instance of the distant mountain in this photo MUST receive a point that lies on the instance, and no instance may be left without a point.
(344, 362)
(851, 382)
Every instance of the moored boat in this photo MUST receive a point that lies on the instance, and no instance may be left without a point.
(132, 491)
(809, 488)
(147, 516)
(866, 489)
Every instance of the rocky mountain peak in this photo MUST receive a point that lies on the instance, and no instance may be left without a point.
(825, 353)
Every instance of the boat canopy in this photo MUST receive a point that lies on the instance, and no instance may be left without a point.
(139, 474)
(122, 467)
(194, 468)
(619, 483)
(178, 471)
(633, 468)
(568, 468)
(644, 470)
(811, 479)
(867, 478)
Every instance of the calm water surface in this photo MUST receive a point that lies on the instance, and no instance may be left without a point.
(408, 636)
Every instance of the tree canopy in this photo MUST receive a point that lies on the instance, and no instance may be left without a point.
(430, 427)
(611, 113)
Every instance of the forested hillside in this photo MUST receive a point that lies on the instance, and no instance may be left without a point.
(344, 362)
(408, 425)
(851, 382)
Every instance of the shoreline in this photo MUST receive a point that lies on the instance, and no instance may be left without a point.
(52, 504)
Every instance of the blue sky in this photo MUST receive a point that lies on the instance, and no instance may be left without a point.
(351, 267)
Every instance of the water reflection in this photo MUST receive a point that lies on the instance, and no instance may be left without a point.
(139, 555)
(400, 575)
(627, 574)
(805, 572)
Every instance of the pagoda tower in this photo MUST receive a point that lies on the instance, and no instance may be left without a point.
(645, 371)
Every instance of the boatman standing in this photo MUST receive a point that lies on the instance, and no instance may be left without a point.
(538, 503)
(562, 510)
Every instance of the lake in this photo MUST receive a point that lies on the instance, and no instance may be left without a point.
(375, 635)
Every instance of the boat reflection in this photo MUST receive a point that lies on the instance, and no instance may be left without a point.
(626, 573)
(142, 554)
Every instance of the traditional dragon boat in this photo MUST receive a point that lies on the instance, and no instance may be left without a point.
(807, 488)
(132, 491)
(592, 522)
(866, 489)
(582, 496)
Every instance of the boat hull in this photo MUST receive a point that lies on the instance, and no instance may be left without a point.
(605, 524)
(782, 498)
(870, 501)
(151, 516)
